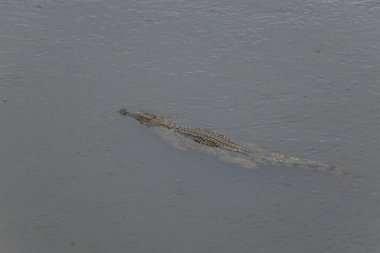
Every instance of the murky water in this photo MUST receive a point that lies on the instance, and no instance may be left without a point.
(296, 77)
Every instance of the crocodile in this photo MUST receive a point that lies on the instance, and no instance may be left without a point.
(248, 156)
(199, 135)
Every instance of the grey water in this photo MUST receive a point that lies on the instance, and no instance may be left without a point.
(296, 77)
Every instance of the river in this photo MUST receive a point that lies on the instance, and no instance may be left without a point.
(296, 77)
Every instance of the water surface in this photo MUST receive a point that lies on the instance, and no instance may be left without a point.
(296, 77)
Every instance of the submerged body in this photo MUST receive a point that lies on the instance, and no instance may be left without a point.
(246, 156)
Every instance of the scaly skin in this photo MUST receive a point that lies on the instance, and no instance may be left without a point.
(199, 135)
(217, 140)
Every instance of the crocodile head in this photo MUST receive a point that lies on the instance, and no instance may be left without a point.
(148, 119)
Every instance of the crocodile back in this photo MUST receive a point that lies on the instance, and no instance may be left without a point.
(211, 138)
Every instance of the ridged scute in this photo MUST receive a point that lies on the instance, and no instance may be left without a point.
(210, 138)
